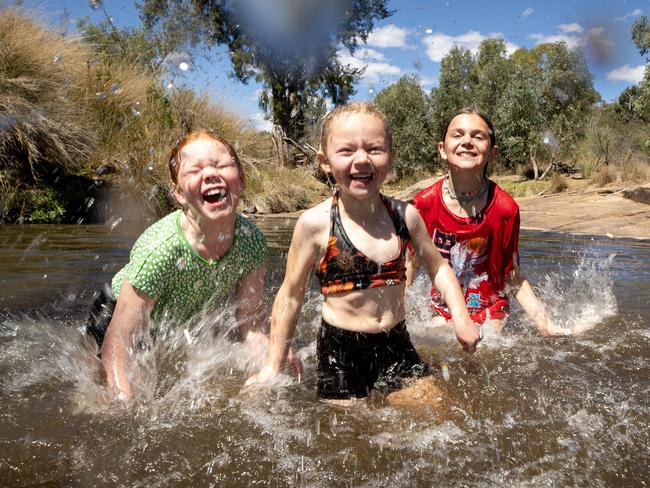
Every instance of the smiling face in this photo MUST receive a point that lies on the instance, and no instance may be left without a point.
(357, 154)
(209, 180)
(467, 146)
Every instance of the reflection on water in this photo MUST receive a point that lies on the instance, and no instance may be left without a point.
(523, 411)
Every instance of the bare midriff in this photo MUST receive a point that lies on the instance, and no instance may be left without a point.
(371, 311)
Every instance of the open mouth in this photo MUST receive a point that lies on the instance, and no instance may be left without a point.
(361, 177)
(215, 195)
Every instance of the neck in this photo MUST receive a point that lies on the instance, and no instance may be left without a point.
(466, 183)
(356, 208)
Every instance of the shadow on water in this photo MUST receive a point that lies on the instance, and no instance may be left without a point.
(522, 411)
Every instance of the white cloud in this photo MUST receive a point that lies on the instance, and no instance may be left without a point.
(574, 36)
(637, 12)
(374, 71)
(627, 73)
(527, 13)
(367, 53)
(573, 28)
(438, 45)
(388, 36)
(571, 41)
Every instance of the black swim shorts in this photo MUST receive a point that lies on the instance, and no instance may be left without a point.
(101, 314)
(350, 364)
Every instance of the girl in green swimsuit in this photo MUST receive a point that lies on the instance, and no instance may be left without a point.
(193, 257)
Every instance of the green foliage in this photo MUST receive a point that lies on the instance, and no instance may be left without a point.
(492, 74)
(641, 35)
(455, 88)
(519, 120)
(539, 99)
(289, 47)
(408, 110)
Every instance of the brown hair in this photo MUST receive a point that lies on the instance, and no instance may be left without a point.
(353, 108)
(174, 159)
(472, 111)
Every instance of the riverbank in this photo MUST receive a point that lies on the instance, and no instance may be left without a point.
(612, 211)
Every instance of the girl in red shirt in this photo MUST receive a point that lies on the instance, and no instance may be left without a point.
(475, 226)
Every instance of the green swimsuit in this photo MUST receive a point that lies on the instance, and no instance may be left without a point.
(165, 267)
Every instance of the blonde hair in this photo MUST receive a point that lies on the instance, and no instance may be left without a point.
(354, 108)
(174, 158)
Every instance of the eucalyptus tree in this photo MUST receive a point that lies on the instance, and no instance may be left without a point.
(289, 46)
(407, 107)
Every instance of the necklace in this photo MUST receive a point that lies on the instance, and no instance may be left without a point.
(466, 197)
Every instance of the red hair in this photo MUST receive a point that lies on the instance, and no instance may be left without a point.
(174, 158)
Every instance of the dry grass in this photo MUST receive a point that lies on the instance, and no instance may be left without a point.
(604, 176)
(273, 189)
(557, 184)
(41, 121)
(67, 110)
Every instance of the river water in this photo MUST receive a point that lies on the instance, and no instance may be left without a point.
(523, 411)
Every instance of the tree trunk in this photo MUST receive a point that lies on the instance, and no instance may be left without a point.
(535, 169)
(280, 146)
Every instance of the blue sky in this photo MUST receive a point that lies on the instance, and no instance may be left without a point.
(414, 40)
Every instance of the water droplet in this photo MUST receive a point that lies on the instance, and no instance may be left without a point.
(429, 31)
(135, 111)
(71, 297)
(170, 85)
(116, 223)
(183, 66)
(44, 276)
(57, 58)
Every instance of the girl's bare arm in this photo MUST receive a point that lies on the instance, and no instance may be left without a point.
(131, 316)
(443, 278)
(524, 294)
(303, 253)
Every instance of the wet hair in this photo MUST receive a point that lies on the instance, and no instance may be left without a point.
(353, 108)
(174, 158)
(472, 111)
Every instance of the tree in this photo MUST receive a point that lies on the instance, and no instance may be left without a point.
(568, 91)
(520, 120)
(408, 110)
(641, 35)
(456, 86)
(641, 38)
(290, 47)
(492, 74)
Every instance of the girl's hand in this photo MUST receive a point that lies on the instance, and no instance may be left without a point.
(266, 373)
(294, 364)
(468, 334)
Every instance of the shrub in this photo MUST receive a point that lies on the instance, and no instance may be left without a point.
(604, 176)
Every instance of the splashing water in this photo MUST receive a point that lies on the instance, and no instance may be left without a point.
(580, 299)
(523, 411)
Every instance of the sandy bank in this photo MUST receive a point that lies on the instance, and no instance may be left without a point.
(613, 211)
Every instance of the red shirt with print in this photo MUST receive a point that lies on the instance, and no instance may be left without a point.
(481, 250)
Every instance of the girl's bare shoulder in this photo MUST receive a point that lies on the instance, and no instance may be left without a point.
(316, 217)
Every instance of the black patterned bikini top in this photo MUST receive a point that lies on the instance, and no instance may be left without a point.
(345, 268)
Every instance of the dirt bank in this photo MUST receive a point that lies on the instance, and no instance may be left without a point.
(612, 211)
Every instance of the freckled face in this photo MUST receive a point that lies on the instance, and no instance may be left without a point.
(467, 144)
(357, 154)
(209, 181)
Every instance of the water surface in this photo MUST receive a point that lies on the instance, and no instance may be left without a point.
(523, 411)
